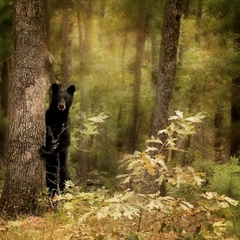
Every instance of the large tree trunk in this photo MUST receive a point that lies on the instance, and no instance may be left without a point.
(140, 48)
(25, 170)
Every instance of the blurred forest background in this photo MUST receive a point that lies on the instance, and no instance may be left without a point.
(96, 46)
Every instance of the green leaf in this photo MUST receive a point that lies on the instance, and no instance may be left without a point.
(99, 118)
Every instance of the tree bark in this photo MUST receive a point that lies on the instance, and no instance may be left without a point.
(167, 72)
(167, 65)
(25, 170)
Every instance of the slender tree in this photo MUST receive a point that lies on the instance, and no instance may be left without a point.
(140, 48)
(25, 170)
(167, 64)
(167, 70)
(85, 24)
(230, 23)
(66, 45)
(6, 70)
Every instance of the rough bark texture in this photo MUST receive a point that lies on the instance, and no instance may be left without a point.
(25, 170)
(167, 71)
(167, 64)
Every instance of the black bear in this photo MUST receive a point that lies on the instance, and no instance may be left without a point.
(57, 138)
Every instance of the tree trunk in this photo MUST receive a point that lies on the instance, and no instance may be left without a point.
(198, 20)
(167, 71)
(140, 48)
(5, 87)
(46, 9)
(66, 46)
(235, 118)
(154, 56)
(25, 170)
(220, 143)
(167, 65)
(85, 48)
(6, 73)
(101, 21)
(120, 119)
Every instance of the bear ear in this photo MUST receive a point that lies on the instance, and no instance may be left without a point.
(71, 89)
(55, 87)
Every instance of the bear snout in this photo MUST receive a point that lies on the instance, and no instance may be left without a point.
(61, 105)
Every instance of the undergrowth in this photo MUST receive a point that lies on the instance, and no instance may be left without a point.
(132, 211)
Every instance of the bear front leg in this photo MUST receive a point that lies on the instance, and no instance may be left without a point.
(43, 151)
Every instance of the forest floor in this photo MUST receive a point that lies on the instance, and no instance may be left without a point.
(55, 225)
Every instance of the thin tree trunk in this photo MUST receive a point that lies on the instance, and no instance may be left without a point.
(101, 21)
(85, 47)
(66, 47)
(235, 104)
(120, 135)
(167, 72)
(5, 88)
(154, 54)
(220, 144)
(167, 65)
(140, 48)
(6, 74)
(52, 78)
(235, 118)
(198, 20)
(25, 170)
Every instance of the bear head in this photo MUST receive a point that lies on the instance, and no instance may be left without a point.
(62, 99)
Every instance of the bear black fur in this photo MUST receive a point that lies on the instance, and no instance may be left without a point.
(57, 138)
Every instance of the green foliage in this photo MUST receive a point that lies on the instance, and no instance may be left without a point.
(91, 125)
(133, 212)
(226, 178)
(105, 215)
